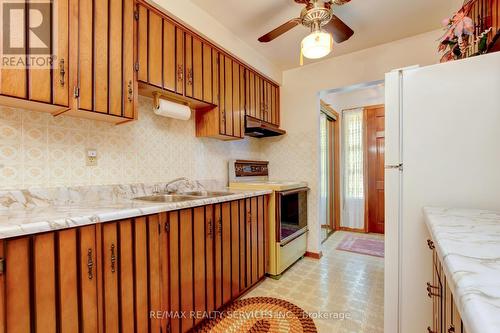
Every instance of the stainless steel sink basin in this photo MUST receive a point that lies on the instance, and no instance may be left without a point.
(206, 194)
(167, 198)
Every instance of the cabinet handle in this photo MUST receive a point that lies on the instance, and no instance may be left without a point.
(210, 228)
(430, 290)
(429, 286)
(180, 73)
(190, 77)
(451, 329)
(62, 72)
(130, 91)
(432, 294)
(113, 258)
(429, 330)
(90, 265)
(430, 244)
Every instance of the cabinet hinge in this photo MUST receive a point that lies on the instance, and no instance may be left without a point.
(76, 92)
(167, 227)
(136, 66)
(2, 266)
(136, 15)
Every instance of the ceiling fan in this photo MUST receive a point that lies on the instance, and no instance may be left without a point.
(324, 24)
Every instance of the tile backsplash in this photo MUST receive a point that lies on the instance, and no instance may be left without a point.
(37, 149)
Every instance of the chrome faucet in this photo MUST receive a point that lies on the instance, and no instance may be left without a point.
(156, 189)
(173, 182)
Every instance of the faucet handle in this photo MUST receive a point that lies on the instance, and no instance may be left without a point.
(156, 189)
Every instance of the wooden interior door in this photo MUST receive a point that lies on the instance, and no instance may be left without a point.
(375, 139)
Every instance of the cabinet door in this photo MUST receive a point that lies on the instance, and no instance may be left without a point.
(155, 56)
(258, 97)
(250, 93)
(235, 248)
(226, 252)
(209, 259)
(109, 273)
(199, 262)
(125, 265)
(48, 84)
(208, 91)
(237, 113)
(222, 95)
(173, 261)
(228, 89)
(105, 58)
(197, 69)
(218, 256)
(186, 267)
(179, 57)
(188, 64)
(242, 246)
(242, 94)
(274, 115)
(261, 234)
(169, 58)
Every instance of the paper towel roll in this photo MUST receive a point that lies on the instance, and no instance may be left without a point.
(172, 110)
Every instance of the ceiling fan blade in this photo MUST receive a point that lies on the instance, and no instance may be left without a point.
(304, 2)
(279, 30)
(339, 30)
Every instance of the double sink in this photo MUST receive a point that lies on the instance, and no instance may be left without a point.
(184, 196)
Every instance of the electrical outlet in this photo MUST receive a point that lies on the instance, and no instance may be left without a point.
(91, 157)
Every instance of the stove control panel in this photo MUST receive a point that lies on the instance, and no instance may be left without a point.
(244, 168)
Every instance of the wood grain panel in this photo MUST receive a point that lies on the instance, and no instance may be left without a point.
(237, 114)
(228, 89)
(85, 54)
(2, 291)
(226, 252)
(235, 249)
(199, 261)
(215, 77)
(188, 58)
(165, 269)
(242, 248)
(242, 100)
(273, 105)
(186, 266)
(169, 70)
(141, 275)
(197, 69)
(252, 97)
(207, 74)
(209, 257)
(175, 298)
(129, 83)
(142, 44)
(60, 88)
(222, 95)
(88, 279)
(258, 97)
(110, 276)
(248, 242)
(116, 85)
(40, 84)
(101, 71)
(179, 60)
(155, 62)
(68, 281)
(266, 234)
(260, 237)
(218, 256)
(255, 253)
(17, 285)
(126, 270)
(154, 271)
(44, 282)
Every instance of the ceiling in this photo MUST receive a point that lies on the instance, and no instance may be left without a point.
(374, 22)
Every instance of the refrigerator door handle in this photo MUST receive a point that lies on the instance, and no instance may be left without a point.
(395, 166)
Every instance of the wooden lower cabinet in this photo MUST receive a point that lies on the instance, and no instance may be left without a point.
(159, 273)
(445, 315)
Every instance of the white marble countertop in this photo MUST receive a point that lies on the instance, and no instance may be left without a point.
(30, 212)
(468, 245)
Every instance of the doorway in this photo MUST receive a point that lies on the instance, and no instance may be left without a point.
(330, 170)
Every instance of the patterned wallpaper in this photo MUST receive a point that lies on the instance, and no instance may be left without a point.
(37, 149)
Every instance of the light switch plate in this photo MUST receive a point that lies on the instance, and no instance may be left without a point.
(91, 157)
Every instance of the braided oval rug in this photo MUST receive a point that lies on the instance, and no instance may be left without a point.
(260, 315)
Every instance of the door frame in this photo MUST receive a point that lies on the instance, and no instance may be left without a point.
(334, 165)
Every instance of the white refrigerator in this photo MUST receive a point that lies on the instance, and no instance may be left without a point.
(442, 149)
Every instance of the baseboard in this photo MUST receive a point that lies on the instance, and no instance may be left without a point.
(314, 255)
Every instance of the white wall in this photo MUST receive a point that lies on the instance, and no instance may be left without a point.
(296, 155)
(200, 21)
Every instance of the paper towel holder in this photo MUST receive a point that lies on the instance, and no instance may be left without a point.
(156, 99)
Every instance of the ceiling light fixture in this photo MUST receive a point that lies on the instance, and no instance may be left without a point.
(317, 44)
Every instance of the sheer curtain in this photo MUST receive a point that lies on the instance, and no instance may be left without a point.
(353, 210)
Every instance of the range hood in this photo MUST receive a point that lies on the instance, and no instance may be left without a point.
(260, 129)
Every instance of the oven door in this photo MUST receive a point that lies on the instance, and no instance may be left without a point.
(291, 214)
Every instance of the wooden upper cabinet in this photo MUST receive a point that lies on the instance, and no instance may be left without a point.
(106, 84)
(262, 98)
(45, 87)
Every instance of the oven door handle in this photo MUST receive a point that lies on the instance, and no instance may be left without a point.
(293, 237)
(295, 190)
